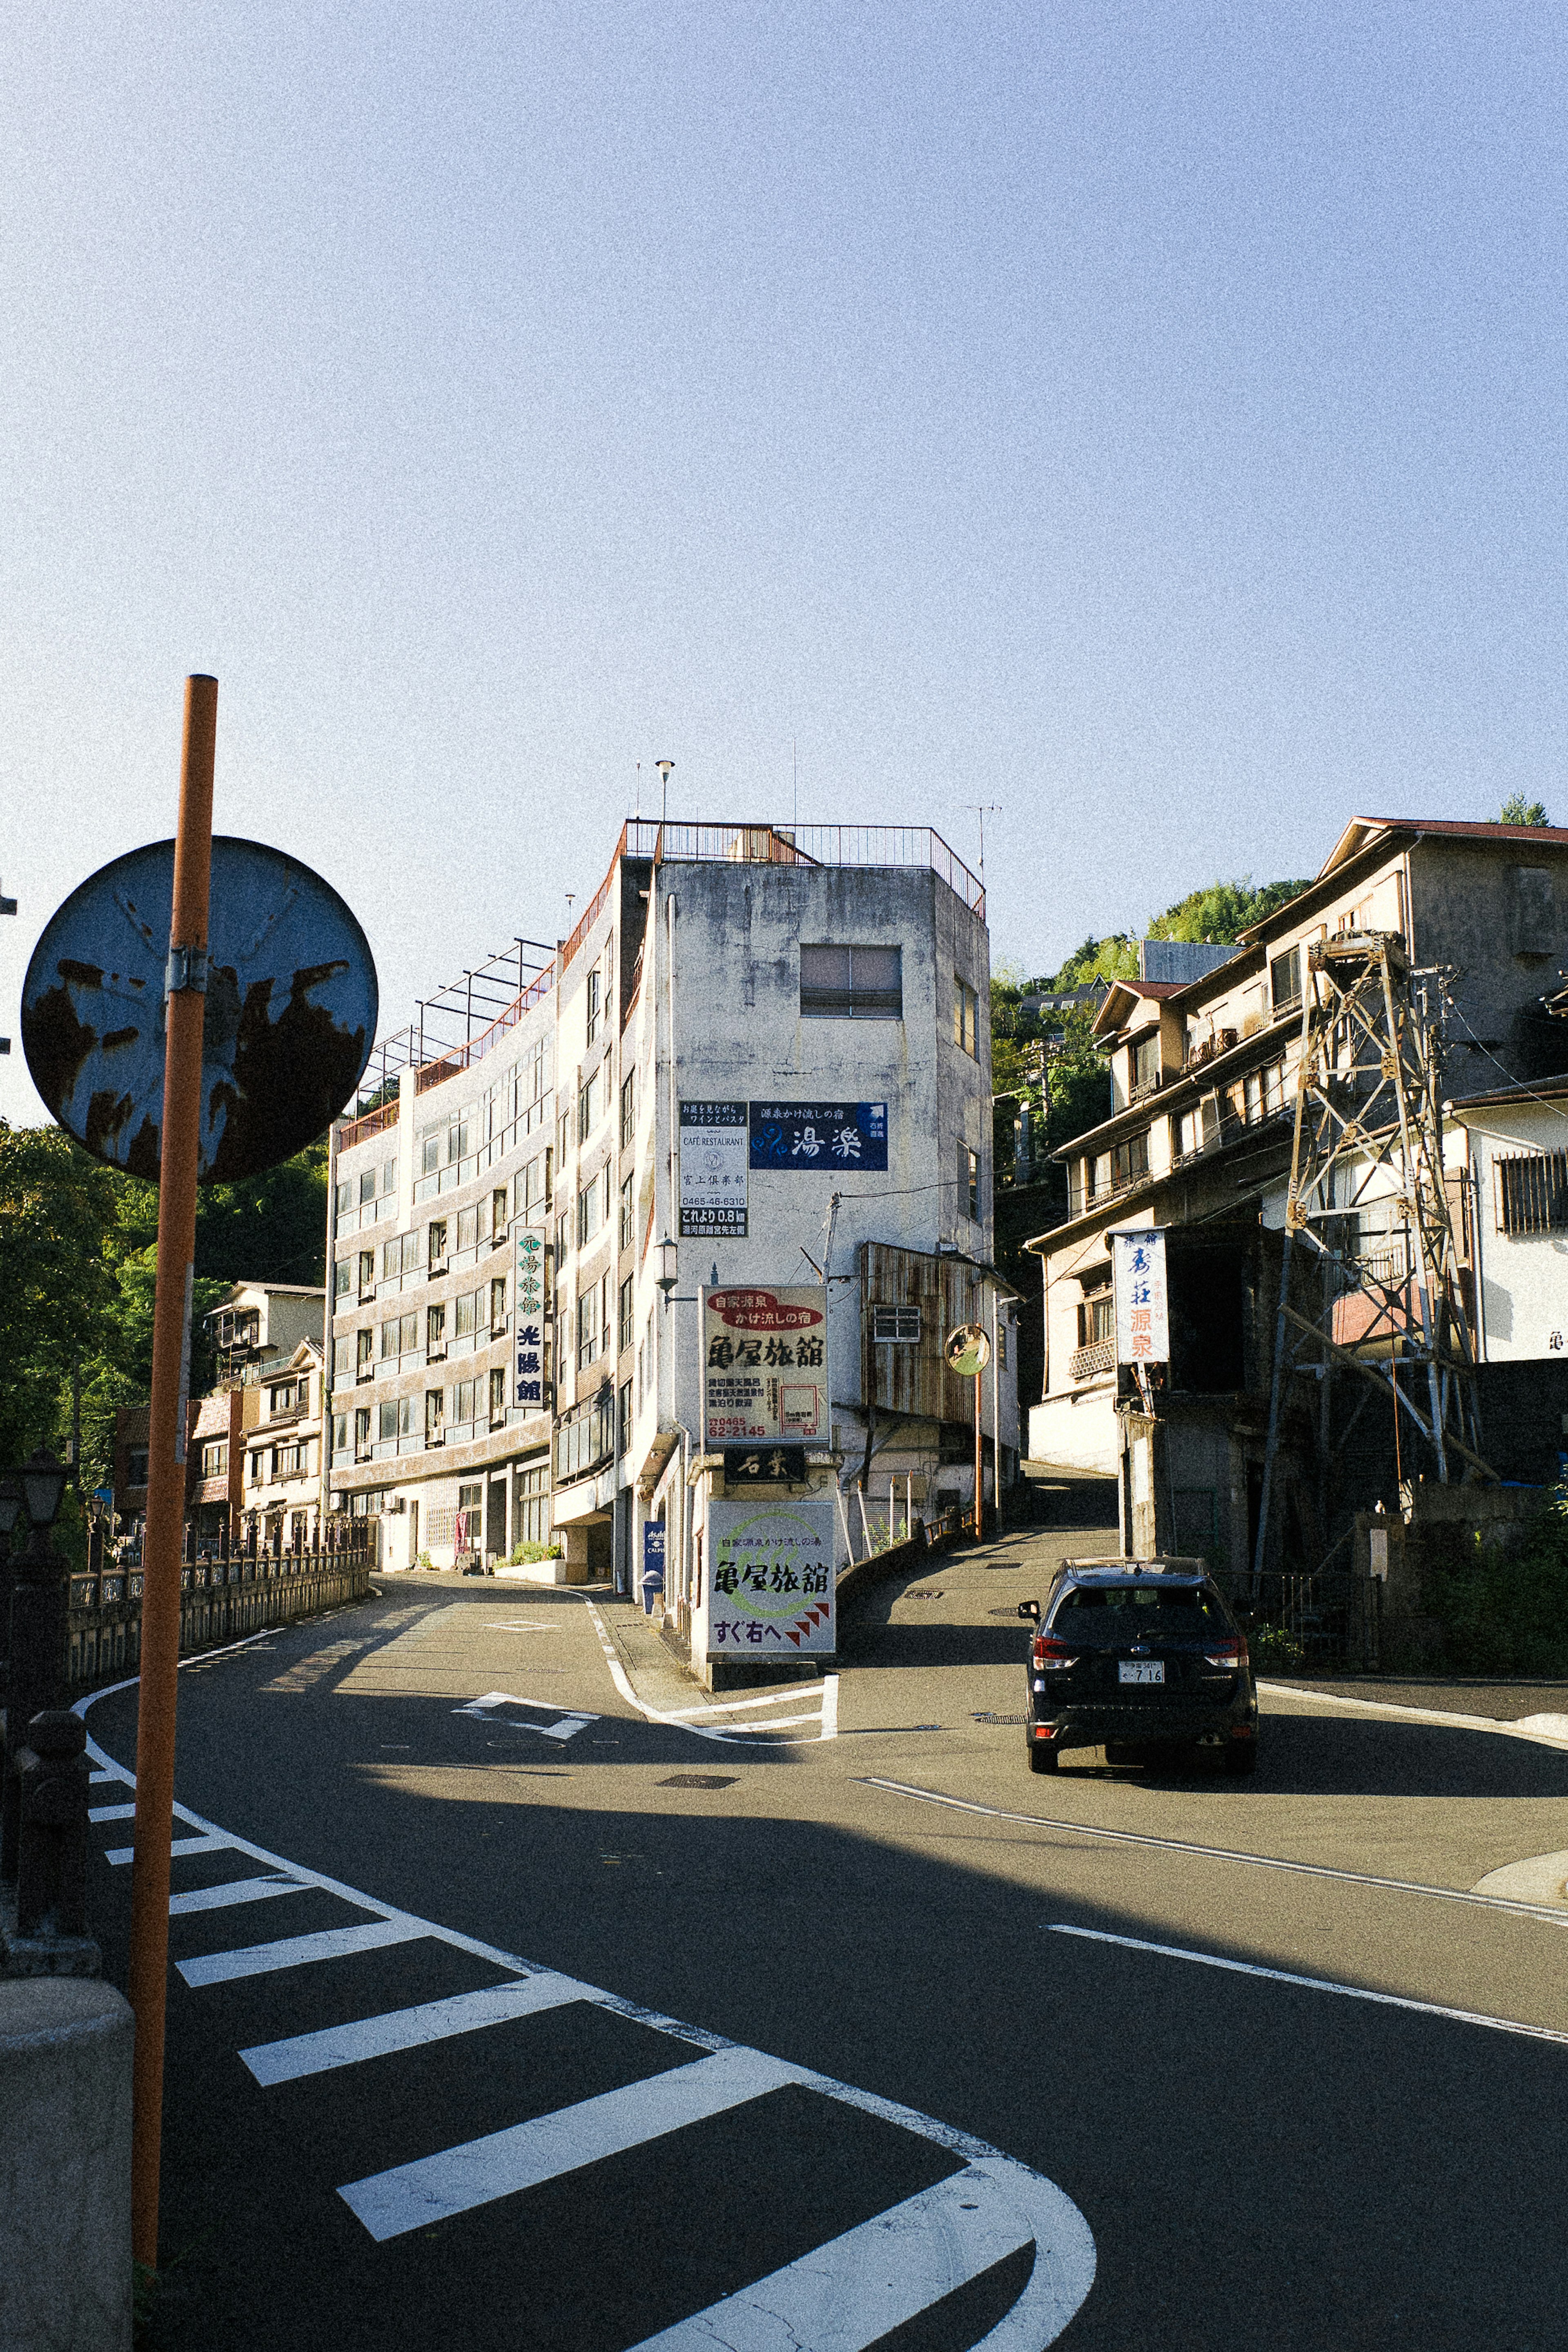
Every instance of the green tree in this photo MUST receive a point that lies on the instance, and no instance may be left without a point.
(1517, 810)
(57, 1293)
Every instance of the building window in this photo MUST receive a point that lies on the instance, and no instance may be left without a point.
(395, 1419)
(498, 1396)
(968, 1183)
(283, 1396)
(436, 1259)
(468, 1228)
(966, 1017)
(463, 1401)
(900, 1325)
(1002, 1342)
(344, 1199)
(499, 1212)
(592, 1333)
(624, 1329)
(340, 1436)
(628, 1214)
(628, 1111)
(364, 1350)
(366, 1185)
(399, 1336)
(587, 1436)
(389, 1176)
(434, 1331)
(498, 1302)
(215, 1459)
(1130, 1161)
(623, 1420)
(367, 1273)
(1146, 1061)
(536, 1183)
(851, 983)
(342, 1278)
(435, 1416)
(530, 1505)
(1532, 1192)
(593, 1207)
(1096, 1319)
(589, 1103)
(361, 1434)
(1285, 981)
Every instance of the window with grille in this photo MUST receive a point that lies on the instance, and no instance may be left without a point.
(1130, 1160)
(851, 983)
(1285, 980)
(898, 1324)
(1532, 1192)
(1146, 1060)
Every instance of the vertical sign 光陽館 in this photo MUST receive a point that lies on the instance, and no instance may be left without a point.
(764, 1366)
(529, 1321)
(772, 1570)
(1143, 1324)
(713, 1170)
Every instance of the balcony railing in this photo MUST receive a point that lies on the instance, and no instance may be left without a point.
(1099, 1356)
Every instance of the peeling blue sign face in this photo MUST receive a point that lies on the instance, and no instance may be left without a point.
(289, 1019)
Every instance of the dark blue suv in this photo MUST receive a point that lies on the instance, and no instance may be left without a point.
(1140, 1657)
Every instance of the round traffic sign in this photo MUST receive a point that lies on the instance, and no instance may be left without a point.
(967, 1349)
(289, 1020)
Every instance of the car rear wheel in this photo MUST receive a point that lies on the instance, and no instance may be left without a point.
(1042, 1756)
(1241, 1758)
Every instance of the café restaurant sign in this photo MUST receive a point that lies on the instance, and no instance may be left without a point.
(764, 1366)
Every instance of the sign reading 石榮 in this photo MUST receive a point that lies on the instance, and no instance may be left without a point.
(1142, 1324)
(830, 1136)
(713, 1169)
(770, 1567)
(529, 1319)
(764, 1367)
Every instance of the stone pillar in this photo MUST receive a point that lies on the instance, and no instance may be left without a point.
(65, 2166)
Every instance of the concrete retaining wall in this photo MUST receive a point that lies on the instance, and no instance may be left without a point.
(65, 2166)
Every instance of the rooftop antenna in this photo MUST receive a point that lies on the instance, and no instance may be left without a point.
(982, 809)
(639, 789)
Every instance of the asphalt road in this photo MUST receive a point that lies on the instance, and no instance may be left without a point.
(604, 2023)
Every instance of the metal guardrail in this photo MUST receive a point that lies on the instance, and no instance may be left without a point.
(220, 1600)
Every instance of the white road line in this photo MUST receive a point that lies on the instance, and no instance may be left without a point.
(830, 1707)
(1390, 1711)
(1314, 1984)
(297, 1952)
(233, 1890)
(847, 2294)
(572, 1719)
(1064, 2258)
(119, 1854)
(97, 1779)
(406, 2029)
(1223, 1853)
(739, 1705)
(679, 1719)
(112, 1813)
(411, 2196)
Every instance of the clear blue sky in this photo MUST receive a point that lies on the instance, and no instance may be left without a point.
(1148, 419)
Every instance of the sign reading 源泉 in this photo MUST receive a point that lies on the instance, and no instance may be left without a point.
(530, 1353)
(764, 1465)
(1142, 1324)
(713, 1169)
(831, 1137)
(771, 1566)
(764, 1366)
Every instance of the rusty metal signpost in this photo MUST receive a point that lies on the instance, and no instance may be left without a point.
(263, 1038)
(968, 1351)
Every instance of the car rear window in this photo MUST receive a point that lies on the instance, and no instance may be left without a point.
(1143, 1608)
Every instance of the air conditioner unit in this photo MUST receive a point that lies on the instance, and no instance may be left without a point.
(397, 1506)
(1252, 1024)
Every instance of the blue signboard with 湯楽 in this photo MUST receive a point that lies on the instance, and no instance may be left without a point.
(831, 1137)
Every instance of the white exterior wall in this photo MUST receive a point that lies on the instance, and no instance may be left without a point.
(1523, 1278)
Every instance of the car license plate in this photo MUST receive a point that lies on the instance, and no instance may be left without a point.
(1140, 1670)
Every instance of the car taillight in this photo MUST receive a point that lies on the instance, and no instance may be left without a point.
(1048, 1652)
(1228, 1654)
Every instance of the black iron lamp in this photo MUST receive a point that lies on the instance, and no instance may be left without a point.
(43, 1480)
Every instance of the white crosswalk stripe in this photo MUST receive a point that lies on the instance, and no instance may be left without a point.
(481, 2170)
(298, 1951)
(232, 1890)
(406, 2029)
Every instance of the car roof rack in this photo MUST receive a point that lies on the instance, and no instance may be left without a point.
(1165, 1564)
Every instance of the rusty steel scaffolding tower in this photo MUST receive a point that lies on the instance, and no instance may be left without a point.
(1367, 1199)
